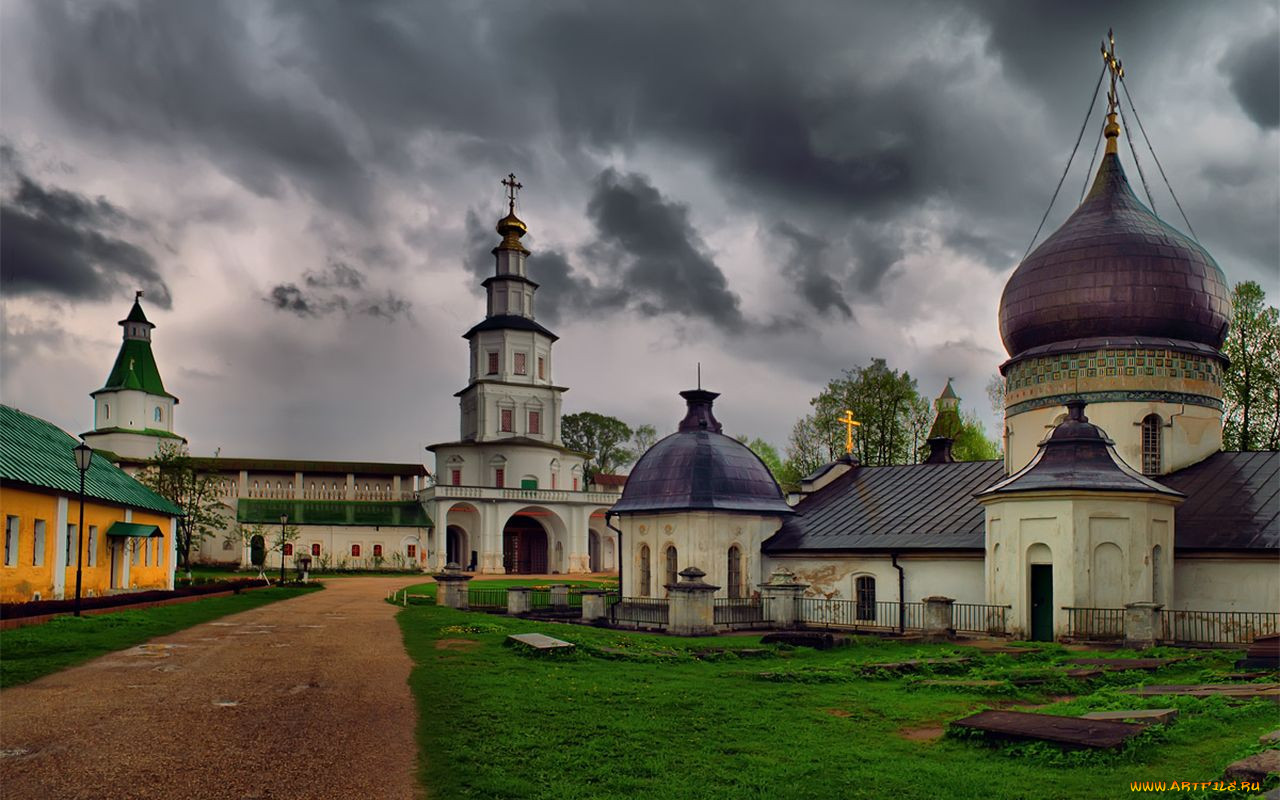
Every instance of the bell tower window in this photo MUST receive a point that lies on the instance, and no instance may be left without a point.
(1151, 455)
(522, 365)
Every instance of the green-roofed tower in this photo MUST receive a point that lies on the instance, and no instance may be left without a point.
(132, 412)
(946, 426)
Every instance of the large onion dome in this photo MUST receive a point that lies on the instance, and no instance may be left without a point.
(1114, 269)
(699, 468)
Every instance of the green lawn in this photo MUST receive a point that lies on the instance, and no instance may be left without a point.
(36, 650)
(655, 721)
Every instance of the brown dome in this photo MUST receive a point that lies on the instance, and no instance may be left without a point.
(1114, 269)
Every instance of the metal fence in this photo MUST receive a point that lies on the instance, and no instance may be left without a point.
(741, 612)
(487, 597)
(1095, 624)
(980, 618)
(884, 615)
(1216, 627)
(640, 611)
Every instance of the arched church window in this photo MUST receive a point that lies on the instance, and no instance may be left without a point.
(645, 577)
(157, 414)
(672, 573)
(106, 410)
(315, 549)
(865, 591)
(735, 572)
(1151, 461)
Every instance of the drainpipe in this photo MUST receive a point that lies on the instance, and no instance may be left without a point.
(902, 583)
(609, 524)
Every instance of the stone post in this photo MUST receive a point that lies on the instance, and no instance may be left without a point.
(781, 597)
(691, 610)
(1141, 624)
(560, 596)
(518, 600)
(937, 617)
(452, 590)
(592, 605)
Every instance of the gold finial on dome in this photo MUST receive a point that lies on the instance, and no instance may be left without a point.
(1112, 129)
(510, 227)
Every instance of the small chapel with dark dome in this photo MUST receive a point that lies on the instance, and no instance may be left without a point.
(1114, 492)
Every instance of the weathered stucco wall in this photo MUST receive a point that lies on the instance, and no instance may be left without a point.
(1226, 583)
(702, 539)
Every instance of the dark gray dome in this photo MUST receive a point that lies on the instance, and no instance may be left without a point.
(699, 468)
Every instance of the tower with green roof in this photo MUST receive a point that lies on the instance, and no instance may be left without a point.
(132, 412)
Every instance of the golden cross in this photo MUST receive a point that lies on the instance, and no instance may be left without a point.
(849, 422)
(513, 187)
(1116, 69)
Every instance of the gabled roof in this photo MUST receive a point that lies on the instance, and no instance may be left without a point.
(135, 368)
(907, 507)
(1233, 502)
(39, 454)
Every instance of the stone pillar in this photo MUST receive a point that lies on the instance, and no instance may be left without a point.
(518, 600)
(452, 591)
(937, 617)
(560, 596)
(692, 605)
(593, 605)
(782, 599)
(1141, 624)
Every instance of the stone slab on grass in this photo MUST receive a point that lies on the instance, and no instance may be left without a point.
(961, 684)
(1070, 731)
(1270, 738)
(1237, 690)
(540, 641)
(1121, 664)
(1255, 768)
(1142, 716)
(819, 640)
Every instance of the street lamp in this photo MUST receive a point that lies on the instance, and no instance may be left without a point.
(84, 455)
(284, 520)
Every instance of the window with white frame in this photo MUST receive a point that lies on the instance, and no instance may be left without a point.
(71, 556)
(38, 542)
(12, 526)
(93, 546)
(522, 364)
(535, 422)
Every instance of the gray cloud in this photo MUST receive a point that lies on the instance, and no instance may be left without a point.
(810, 270)
(61, 243)
(339, 287)
(1254, 71)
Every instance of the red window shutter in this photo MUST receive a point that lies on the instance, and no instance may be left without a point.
(355, 551)
(288, 549)
(506, 420)
(522, 367)
(413, 551)
(535, 422)
(315, 549)
(500, 476)
(457, 477)
(377, 551)
(493, 363)
(575, 484)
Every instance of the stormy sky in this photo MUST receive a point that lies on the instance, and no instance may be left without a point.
(306, 192)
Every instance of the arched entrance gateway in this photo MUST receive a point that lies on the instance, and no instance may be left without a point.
(524, 545)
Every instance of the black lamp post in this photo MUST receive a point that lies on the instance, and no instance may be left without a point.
(84, 455)
(284, 520)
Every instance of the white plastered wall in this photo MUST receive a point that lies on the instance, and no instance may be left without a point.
(702, 539)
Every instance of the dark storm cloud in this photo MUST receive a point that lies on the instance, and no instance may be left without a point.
(811, 272)
(339, 287)
(1254, 70)
(60, 243)
(659, 256)
(195, 74)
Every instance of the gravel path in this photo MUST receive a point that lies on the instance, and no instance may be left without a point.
(305, 698)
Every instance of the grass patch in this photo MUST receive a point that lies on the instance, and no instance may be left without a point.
(37, 650)
(630, 715)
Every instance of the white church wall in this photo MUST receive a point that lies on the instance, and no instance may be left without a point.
(1226, 583)
(702, 539)
(1191, 433)
(956, 575)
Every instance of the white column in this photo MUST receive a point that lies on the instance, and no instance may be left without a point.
(579, 561)
(127, 554)
(173, 550)
(60, 551)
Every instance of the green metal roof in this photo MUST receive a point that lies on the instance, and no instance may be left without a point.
(156, 432)
(947, 424)
(402, 514)
(135, 368)
(38, 453)
(133, 529)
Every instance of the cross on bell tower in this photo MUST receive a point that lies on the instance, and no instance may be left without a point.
(513, 186)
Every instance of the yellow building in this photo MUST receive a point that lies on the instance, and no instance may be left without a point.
(129, 530)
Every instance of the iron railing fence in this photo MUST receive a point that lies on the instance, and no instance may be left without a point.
(640, 610)
(980, 618)
(1095, 624)
(487, 597)
(1216, 627)
(884, 615)
(741, 612)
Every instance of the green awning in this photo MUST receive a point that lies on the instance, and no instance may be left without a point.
(133, 529)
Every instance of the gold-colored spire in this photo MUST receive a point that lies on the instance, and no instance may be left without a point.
(511, 227)
(1112, 129)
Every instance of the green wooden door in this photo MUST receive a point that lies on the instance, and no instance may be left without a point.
(1042, 602)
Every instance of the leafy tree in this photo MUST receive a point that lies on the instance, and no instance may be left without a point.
(175, 475)
(642, 438)
(1251, 385)
(604, 440)
(893, 417)
(971, 442)
(274, 538)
